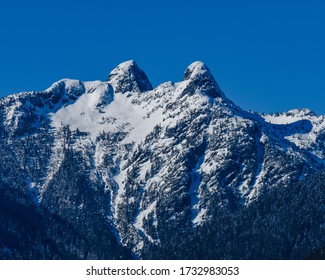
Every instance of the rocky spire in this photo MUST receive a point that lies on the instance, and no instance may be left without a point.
(200, 78)
(128, 77)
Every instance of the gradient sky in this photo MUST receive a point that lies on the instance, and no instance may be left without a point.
(267, 56)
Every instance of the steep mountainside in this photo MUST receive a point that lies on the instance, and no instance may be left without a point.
(117, 169)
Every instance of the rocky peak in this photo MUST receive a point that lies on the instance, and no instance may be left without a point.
(200, 78)
(128, 77)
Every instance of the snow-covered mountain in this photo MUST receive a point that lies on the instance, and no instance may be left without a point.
(118, 169)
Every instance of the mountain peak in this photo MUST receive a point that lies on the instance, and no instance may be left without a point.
(195, 69)
(128, 77)
(200, 78)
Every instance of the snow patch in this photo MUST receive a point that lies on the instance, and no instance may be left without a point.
(193, 191)
(141, 216)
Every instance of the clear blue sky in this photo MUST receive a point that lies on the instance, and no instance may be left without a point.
(267, 56)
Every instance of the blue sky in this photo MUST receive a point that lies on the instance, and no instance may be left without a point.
(267, 56)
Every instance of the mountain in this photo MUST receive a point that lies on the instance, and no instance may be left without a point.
(122, 170)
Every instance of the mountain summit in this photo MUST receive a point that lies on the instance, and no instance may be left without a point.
(128, 77)
(200, 78)
(120, 170)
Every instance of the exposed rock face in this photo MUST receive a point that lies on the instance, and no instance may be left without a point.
(200, 79)
(128, 77)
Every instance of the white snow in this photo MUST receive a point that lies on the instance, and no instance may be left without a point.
(194, 188)
(289, 116)
(83, 113)
(199, 217)
(128, 115)
(123, 68)
(13, 114)
(302, 137)
(197, 68)
(142, 215)
(281, 119)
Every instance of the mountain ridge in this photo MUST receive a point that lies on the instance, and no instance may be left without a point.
(146, 162)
